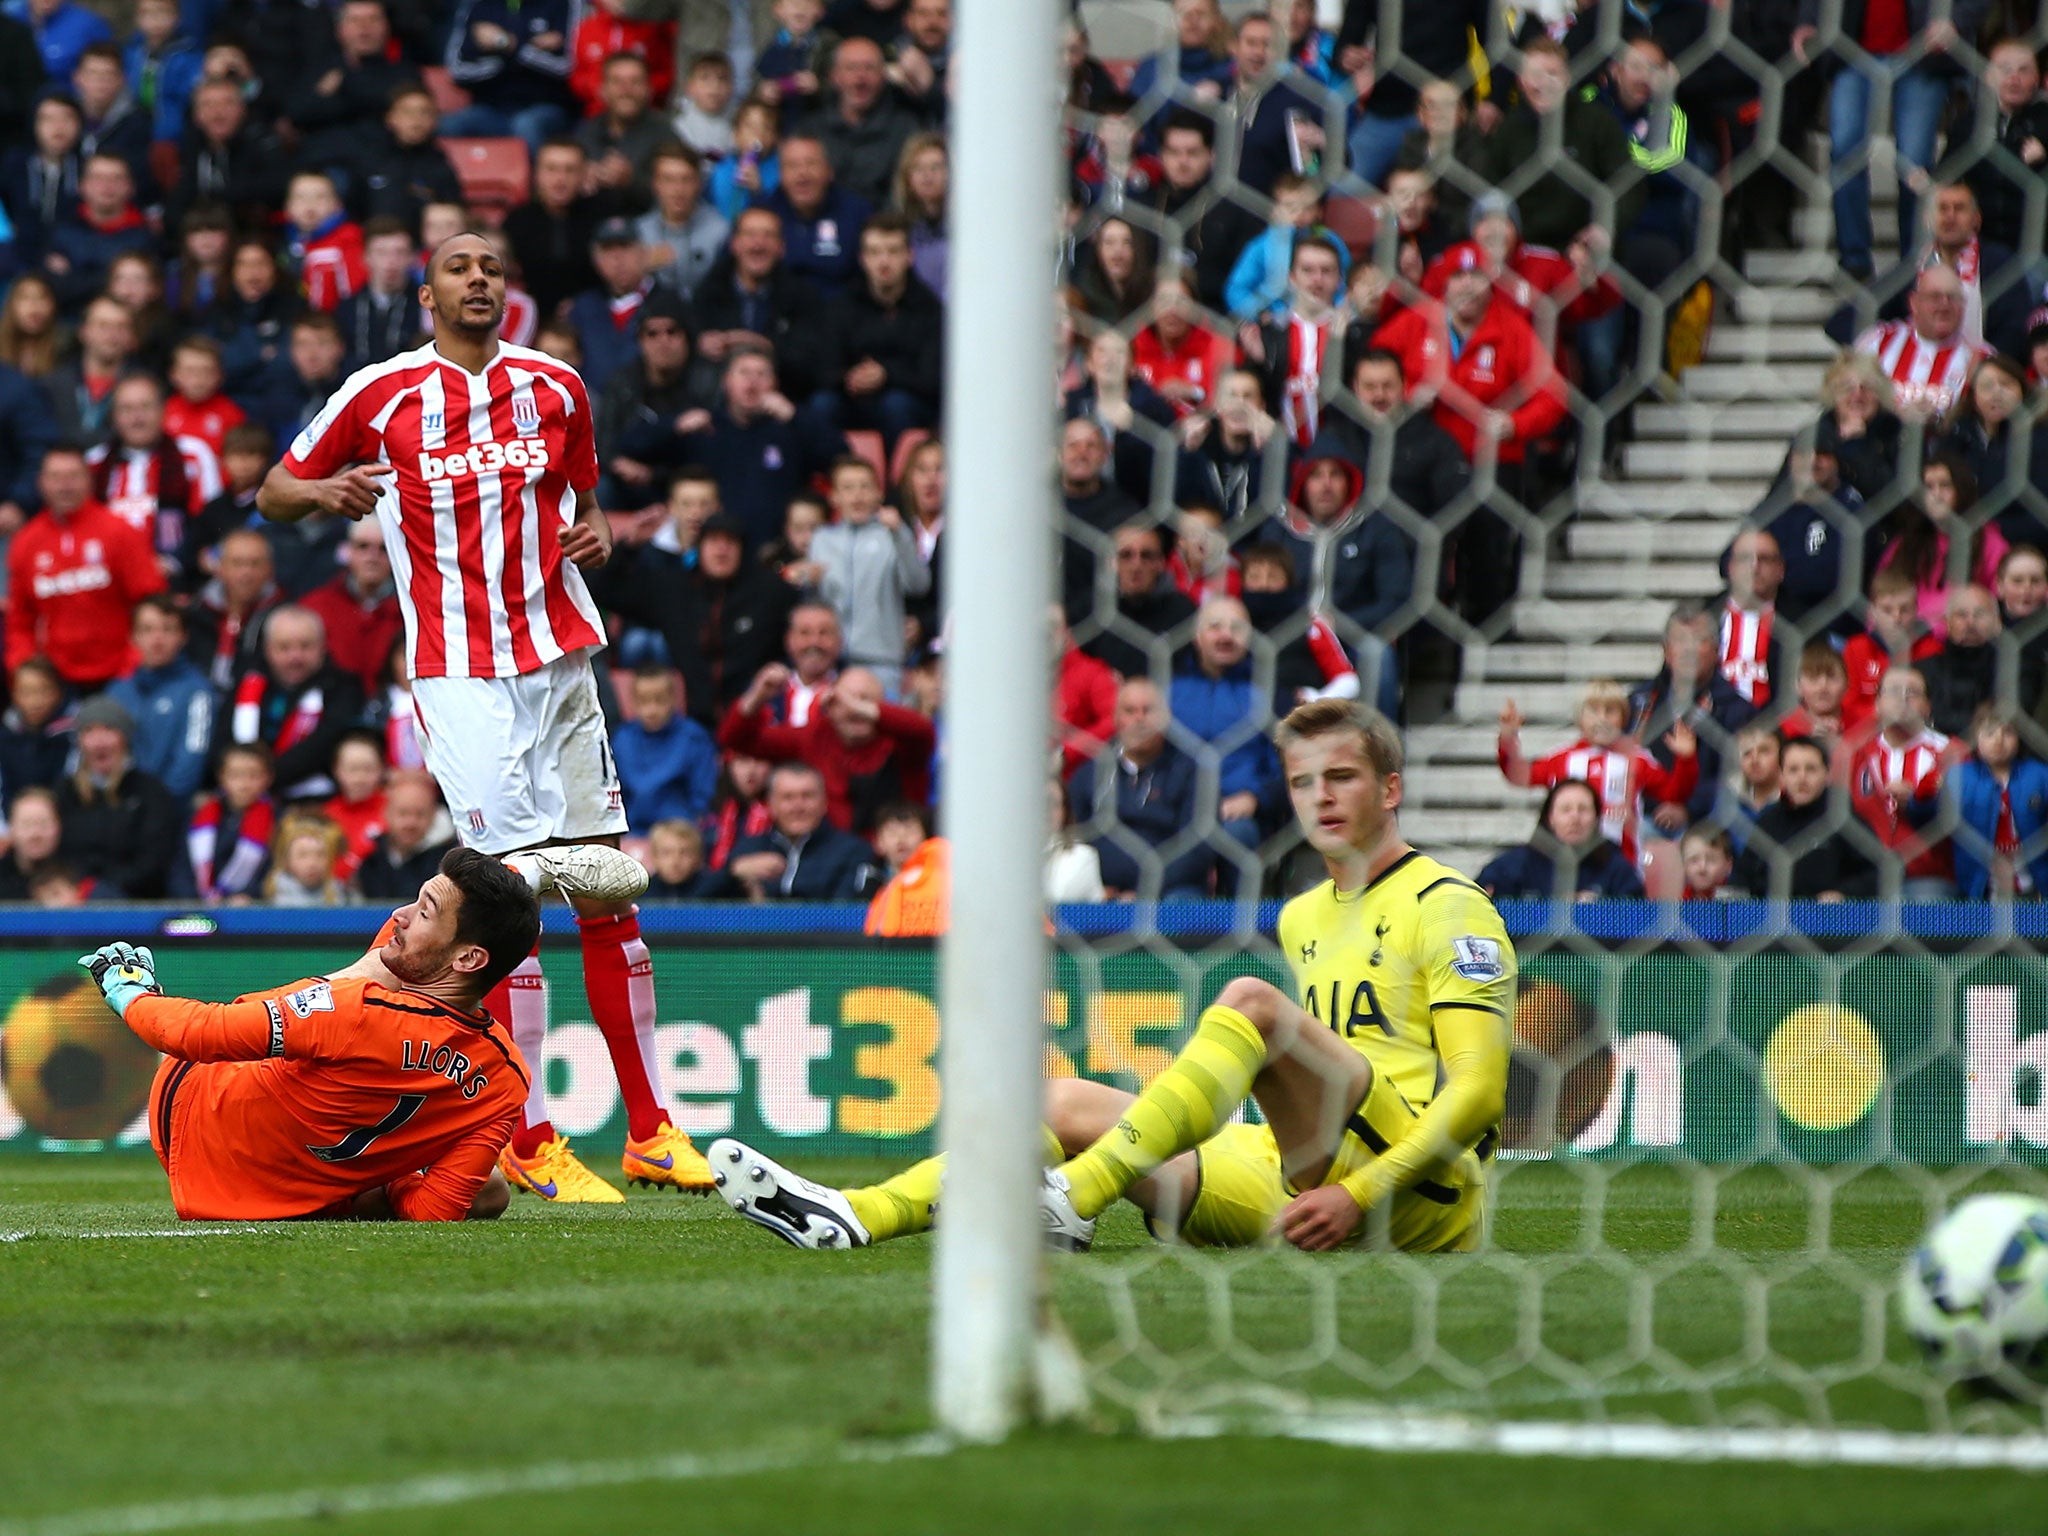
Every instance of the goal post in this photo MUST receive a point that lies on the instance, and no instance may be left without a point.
(1000, 517)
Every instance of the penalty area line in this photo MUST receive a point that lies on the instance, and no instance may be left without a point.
(1794, 1444)
(451, 1488)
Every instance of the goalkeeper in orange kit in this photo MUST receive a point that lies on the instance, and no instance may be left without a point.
(382, 1091)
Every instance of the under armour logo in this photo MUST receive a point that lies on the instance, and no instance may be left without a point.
(1308, 950)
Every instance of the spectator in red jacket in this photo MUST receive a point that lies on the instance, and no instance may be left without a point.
(868, 751)
(1554, 291)
(324, 244)
(360, 607)
(73, 574)
(603, 32)
(1084, 698)
(1895, 784)
(1479, 360)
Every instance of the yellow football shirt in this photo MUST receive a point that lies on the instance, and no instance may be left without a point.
(1378, 964)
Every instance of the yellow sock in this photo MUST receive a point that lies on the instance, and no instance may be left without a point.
(900, 1206)
(1180, 1108)
(903, 1205)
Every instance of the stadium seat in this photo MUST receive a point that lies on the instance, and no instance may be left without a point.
(495, 172)
(448, 96)
(906, 445)
(1354, 221)
(868, 445)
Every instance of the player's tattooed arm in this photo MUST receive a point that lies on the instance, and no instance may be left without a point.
(353, 494)
(588, 540)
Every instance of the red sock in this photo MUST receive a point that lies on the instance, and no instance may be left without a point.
(618, 978)
(520, 1003)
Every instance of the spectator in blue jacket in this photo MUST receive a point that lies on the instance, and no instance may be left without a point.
(512, 56)
(1258, 280)
(27, 431)
(163, 67)
(756, 445)
(2001, 802)
(821, 223)
(802, 856)
(105, 224)
(668, 763)
(63, 31)
(1218, 700)
(1360, 569)
(1140, 800)
(606, 318)
(1567, 854)
(169, 699)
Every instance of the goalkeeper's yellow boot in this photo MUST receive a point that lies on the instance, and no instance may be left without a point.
(555, 1173)
(667, 1160)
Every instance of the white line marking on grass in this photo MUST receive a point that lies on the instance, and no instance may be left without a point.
(461, 1488)
(250, 1231)
(1797, 1444)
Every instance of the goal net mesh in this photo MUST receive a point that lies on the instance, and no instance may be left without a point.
(1729, 1122)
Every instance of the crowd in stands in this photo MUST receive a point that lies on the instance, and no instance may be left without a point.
(1337, 334)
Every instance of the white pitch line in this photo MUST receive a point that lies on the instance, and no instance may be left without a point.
(1795, 1444)
(253, 1231)
(459, 1488)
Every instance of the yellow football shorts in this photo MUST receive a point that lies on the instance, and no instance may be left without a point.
(1242, 1188)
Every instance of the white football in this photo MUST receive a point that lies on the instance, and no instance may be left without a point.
(1974, 1294)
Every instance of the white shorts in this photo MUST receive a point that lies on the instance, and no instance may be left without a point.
(521, 760)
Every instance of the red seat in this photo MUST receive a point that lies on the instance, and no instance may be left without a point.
(906, 445)
(868, 445)
(1354, 221)
(495, 173)
(449, 97)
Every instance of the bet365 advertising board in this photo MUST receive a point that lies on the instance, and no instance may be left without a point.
(832, 1048)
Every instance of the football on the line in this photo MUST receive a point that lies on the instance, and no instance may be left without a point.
(1974, 1294)
(72, 1069)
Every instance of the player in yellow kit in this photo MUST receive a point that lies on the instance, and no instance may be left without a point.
(1382, 1088)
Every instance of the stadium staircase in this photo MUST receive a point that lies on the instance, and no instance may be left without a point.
(1593, 604)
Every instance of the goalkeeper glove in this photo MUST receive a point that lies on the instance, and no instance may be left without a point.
(122, 972)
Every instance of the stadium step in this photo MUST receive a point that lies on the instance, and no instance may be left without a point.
(1746, 421)
(1785, 306)
(1534, 659)
(1587, 621)
(1758, 379)
(1673, 539)
(1630, 501)
(1660, 578)
(1809, 265)
(1770, 344)
(1704, 458)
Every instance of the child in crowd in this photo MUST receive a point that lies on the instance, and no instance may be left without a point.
(36, 739)
(900, 830)
(676, 850)
(1619, 772)
(754, 168)
(325, 246)
(868, 570)
(245, 459)
(197, 407)
(229, 841)
(2022, 588)
(1073, 869)
(790, 556)
(1758, 762)
(787, 69)
(1894, 633)
(704, 106)
(668, 763)
(2001, 801)
(357, 808)
(302, 872)
(1923, 528)
(1201, 564)
(1258, 282)
(739, 808)
(1709, 857)
(1823, 688)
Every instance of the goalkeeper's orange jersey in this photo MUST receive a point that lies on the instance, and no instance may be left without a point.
(290, 1102)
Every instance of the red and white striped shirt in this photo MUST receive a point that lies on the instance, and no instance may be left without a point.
(1920, 762)
(1923, 373)
(133, 476)
(487, 472)
(1746, 652)
(1619, 778)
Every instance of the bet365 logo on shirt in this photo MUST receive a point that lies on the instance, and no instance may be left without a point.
(484, 459)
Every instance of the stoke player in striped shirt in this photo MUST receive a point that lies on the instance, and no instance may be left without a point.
(478, 462)
(1618, 771)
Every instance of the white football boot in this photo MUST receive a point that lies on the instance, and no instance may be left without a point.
(1066, 1229)
(802, 1213)
(588, 870)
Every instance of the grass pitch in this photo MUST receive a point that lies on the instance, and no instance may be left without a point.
(665, 1364)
